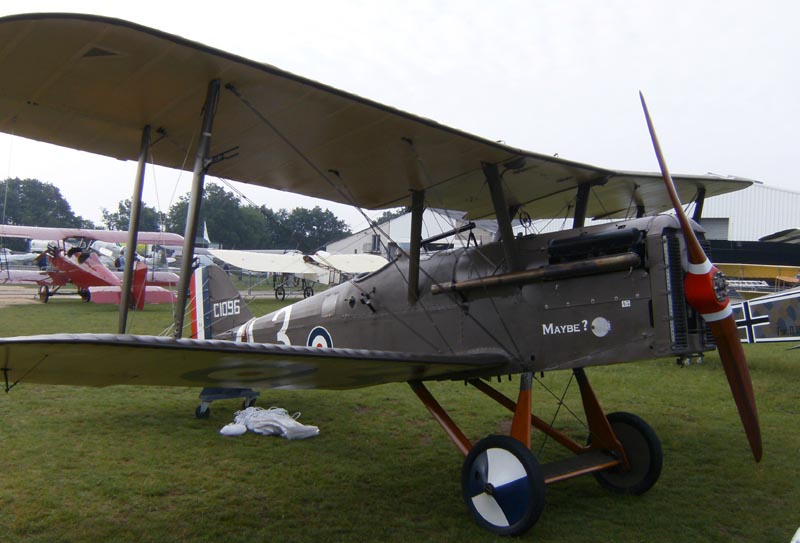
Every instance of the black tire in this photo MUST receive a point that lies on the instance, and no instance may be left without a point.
(200, 414)
(643, 449)
(44, 293)
(308, 292)
(280, 293)
(85, 294)
(503, 485)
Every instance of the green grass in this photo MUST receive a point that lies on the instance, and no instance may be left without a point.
(133, 464)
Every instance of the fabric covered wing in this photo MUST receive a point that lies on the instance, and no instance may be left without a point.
(350, 263)
(265, 262)
(111, 236)
(92, 83)
(108, 359)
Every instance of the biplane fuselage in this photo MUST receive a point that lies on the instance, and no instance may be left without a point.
(547, 316)
(84, 269)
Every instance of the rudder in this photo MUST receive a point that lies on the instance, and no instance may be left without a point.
(216, 305)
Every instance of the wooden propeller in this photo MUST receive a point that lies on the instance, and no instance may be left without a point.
(706, 293)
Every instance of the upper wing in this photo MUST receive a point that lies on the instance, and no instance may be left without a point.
(111, 236)
(350, 263)
(265, 262)
(107, 359)
(92, 83)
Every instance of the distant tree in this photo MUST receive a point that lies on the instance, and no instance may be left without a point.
(390, 214)
(34, 203)
(312, 229)
(150, 219)
(221, 212)
(236, 226)
(31, 202)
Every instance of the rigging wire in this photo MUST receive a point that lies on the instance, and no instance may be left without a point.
(472, 263)
(342, 190)
(5, 196)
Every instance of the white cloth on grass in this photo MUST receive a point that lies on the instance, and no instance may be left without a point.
(272, 421)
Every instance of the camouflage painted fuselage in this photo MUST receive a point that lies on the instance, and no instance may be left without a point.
(565, 313)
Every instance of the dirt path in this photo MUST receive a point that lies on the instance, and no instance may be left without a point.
(13, 294)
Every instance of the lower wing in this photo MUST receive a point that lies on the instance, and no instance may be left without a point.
(111, 359)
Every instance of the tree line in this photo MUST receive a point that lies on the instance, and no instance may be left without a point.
(230, 223)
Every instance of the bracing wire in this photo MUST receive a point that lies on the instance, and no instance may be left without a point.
(479, 252)
(341, 189)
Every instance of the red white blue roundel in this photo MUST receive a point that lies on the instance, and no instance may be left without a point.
(319, 337)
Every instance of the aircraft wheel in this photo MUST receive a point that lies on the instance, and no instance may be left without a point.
(85, 295)
(308, 292)
(280, 293)
(201, 413)
(503, 485)
(44, 293)
(643, 449)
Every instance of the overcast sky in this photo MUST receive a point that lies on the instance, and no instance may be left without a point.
(720, 77)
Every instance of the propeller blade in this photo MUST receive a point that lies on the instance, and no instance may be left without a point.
(726, 335)
(706, 292)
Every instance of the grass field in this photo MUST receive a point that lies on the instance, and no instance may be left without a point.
(133, 464)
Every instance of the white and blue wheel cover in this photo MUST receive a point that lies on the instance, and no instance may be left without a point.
(507, 503)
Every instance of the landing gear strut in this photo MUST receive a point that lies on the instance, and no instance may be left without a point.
(210, 394)
(504, 485)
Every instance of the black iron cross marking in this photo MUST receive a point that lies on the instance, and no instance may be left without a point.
(749, 323)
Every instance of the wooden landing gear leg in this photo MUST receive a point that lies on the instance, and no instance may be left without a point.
(628, 438)
(503, 484)
(623, 450)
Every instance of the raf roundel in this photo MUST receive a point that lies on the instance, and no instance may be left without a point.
(319, 337)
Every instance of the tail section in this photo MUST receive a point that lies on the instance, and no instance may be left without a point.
(216, 306)
(139, 280)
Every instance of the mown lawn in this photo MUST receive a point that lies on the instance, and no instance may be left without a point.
(133, 464)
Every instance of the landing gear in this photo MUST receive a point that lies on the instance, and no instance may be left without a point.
(502, 482)
(503, 485)
(280, 293)
(44, 293)
(308, 292)
(210, 394)
(643, 449)
(85, 295)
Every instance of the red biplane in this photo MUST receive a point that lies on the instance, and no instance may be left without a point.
(81, 266)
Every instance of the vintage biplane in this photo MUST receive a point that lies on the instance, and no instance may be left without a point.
(297, 271)
(77, 263)
(637, 288)
(287, 271)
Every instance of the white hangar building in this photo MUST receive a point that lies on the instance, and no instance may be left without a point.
(746, 215)
(752, 213)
